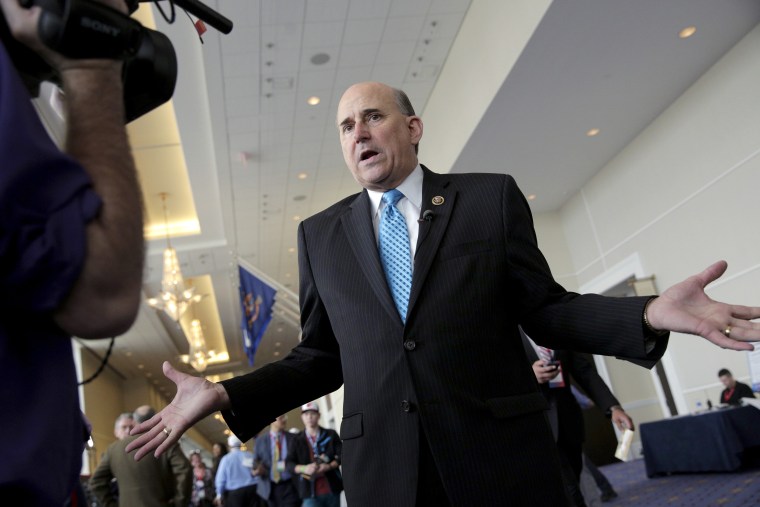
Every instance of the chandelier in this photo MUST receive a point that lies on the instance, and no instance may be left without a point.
(199, 354)
(174, 298)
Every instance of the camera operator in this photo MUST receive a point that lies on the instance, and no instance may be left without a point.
(315, 456)
(72, 254)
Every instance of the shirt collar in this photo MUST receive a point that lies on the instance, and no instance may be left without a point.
(411, 187)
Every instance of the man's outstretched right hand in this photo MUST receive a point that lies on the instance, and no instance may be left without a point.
(196, 398)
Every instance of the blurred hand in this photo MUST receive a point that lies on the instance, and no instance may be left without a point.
(310, 469)
(685, 308)
(544, 373)
(196, 398)
(622, 420)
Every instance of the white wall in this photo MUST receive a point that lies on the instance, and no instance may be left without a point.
(683, 194)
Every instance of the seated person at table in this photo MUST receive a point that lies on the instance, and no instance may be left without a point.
(734, 390)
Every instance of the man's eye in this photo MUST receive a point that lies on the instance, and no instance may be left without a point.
(374, 117)
(347, 128)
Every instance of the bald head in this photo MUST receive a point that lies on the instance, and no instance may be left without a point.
(379, 134)
(143, 413)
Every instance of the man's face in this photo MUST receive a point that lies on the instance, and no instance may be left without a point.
(728, 380)
(310, 419)
(123, 427)
(279, 424)
(377, 140)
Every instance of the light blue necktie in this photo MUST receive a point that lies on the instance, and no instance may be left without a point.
(393, 241)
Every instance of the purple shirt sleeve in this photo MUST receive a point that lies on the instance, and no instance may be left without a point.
(46, 201)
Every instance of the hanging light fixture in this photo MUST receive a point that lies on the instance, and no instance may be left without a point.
(174, 298)
(199, 353)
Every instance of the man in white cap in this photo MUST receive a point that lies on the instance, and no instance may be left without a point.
(235, 485)
(315, 458)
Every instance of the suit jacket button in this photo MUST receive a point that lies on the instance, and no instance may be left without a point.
(410, 345)
(406, 406)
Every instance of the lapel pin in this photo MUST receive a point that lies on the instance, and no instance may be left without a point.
(437, 200)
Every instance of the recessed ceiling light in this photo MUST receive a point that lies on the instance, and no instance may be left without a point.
(313, 100)
(297, 218)
(687, 32)
(140, 367)
(291, 250)
(277, 344)
(320, 58)
(592, 132)
(531, 197)
(302, 176)
(276, 353)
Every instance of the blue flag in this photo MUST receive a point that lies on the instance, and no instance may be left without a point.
(257, 300)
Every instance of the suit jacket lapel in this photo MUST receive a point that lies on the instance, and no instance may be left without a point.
(358, 223)
(431, 232)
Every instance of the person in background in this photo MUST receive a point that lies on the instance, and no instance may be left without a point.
(735, 390)
(123, 424)
(411, 292)
(275, 482)
(71, 251)
(121, 427)
(235, 483)
(314, 458)
(218, 450)
(555, 371)
(149, 483)
(203, 483)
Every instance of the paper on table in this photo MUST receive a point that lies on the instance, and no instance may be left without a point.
(751, 401)
(624, 446)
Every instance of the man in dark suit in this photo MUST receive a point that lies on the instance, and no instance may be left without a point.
(554, 371)
(440, 404)
(275, 482)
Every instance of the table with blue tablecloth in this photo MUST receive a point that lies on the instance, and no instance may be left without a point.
(714, 441)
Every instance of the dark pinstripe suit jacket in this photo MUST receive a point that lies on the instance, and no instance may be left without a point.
(457, 369)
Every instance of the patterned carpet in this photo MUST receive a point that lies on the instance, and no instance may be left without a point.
(717, 489)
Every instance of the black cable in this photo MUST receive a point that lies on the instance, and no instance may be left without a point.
(102, 364)
(163, 15)
(193, 23)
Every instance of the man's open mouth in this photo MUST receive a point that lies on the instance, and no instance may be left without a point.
(366, 155)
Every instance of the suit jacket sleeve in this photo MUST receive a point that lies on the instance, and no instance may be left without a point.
(100, 482)
(584, 372)
(563, 320)
(183, 475)
(294, 456)
(261, 454)
(311, 370)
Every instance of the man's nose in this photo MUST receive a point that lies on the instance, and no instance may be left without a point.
(361, 132)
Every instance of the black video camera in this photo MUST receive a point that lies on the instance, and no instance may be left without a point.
(87, 29)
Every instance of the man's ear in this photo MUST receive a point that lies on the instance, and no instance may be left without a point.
(415, 128)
